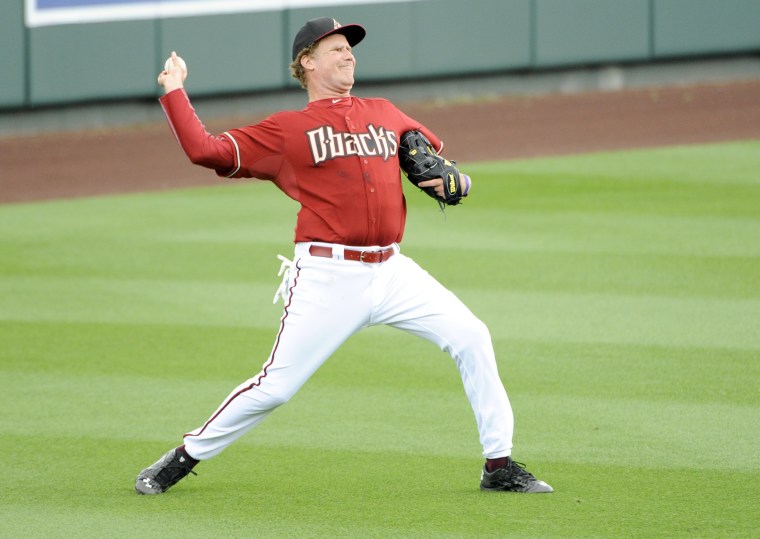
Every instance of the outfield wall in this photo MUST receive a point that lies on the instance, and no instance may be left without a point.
(60, 64)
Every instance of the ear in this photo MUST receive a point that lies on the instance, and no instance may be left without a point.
(307, 62)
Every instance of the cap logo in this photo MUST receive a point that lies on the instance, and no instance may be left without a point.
(336, 24)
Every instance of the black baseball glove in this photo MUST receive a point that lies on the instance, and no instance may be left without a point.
(420, 162)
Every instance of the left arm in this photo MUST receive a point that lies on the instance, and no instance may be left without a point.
(437, 143)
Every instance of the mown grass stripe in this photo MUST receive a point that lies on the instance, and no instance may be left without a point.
(622, 291)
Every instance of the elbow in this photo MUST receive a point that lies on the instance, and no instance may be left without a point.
(198, 156)
(209, 154)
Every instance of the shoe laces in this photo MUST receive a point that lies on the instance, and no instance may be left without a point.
(518, 468)
(173, 472)
(513, 474)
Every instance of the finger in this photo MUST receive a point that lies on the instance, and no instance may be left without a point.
(435, 182)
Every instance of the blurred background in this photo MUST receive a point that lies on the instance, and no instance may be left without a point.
(78, 63)
(620, 275)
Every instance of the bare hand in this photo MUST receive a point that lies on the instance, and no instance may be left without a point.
(438, 187)
(436, 184)
(175, 77)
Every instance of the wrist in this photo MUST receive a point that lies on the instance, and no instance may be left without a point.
(465, 182)
(171, 86)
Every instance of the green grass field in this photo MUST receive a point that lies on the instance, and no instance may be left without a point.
(622, 291)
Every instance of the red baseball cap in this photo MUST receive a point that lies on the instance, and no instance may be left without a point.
(316, 29)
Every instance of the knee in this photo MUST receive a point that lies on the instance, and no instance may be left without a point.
(476, 331)
(267, 392)
(472, 334)
(271, 400)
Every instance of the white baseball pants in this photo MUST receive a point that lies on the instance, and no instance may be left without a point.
(327, 301)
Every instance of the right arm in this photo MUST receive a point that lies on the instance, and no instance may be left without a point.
(201, 147)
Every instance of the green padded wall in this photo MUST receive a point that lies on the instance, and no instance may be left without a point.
(691, 27)
(227, 53)
(591, 31)
(438, 37)
(242, 52)
(12, 55)
(84, 62)
(455, 37)
(385, 52)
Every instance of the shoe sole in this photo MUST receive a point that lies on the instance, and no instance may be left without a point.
(541, 488)
(143, 489)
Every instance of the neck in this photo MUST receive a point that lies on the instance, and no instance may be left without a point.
(319, 89)
(317, 96)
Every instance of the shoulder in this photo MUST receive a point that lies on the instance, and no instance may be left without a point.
(282, 117)
(379, 102)
(273, 123)
(380, 106)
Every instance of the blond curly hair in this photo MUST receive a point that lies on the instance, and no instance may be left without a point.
(296, 69)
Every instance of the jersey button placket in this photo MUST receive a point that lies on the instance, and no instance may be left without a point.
(371, 198)
(364, 164)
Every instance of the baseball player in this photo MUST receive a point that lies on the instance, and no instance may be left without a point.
(339, 158)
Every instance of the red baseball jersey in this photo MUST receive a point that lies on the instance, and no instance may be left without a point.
(337, 157)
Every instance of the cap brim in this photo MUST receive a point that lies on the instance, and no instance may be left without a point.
(354, 33)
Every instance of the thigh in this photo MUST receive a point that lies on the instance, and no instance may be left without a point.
(325, 304)
(413, 300)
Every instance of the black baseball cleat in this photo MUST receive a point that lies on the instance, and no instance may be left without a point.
(164, 474)
(512, 478)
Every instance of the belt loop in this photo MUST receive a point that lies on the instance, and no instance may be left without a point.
(337, 251)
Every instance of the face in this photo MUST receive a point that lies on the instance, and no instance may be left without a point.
(331, 67)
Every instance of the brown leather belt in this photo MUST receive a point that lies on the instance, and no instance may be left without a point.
(370, 257)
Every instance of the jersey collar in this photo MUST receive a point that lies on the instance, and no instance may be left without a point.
(333, 102)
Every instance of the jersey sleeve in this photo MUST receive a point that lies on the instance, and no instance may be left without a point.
(411, 124)
(202, 148)
(258, 149)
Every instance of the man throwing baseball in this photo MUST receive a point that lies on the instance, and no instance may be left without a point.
(339, 158)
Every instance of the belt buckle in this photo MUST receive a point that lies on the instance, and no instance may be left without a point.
(381, 255)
